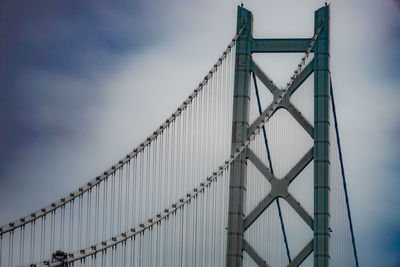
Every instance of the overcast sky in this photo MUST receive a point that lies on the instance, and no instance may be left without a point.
(83, 82)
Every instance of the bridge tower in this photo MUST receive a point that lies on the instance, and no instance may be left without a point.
(244, 66)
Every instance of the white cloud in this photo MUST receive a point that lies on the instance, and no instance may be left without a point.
(145, 88)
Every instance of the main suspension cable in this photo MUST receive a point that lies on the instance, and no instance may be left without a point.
(83, 253)
(113, 169)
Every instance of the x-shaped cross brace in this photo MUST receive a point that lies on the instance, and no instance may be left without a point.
(279, 187)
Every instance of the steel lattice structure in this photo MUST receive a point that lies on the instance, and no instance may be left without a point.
(242, 129)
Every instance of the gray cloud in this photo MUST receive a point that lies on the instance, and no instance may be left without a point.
(92, 111)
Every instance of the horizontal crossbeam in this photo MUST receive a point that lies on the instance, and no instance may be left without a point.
(253, 254)
(296, 45)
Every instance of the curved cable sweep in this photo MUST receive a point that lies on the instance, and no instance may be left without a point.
(92, 250)
(81, 190)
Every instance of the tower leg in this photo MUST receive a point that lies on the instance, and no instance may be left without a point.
(240, 123)
(321, 140)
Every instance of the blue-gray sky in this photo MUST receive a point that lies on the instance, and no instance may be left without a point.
(83, 82)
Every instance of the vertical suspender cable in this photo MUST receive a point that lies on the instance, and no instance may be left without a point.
(112, 204)
(164, 243)
(213, 223)
(182, 147)
(127, 196)
(71, 225)
(79, 222)
(161, 173)
(10, 248)
(132, 171)
(124, 253)
(89, 217)
(135, 196)
(1, 248)
(150, 246)
(52, 230)
(272, 170)
(112, 256)
(32, 249)
(103, 227)
(117, 201)
(62, 217)
(157, 245)
(132, 254)
(147, 201)
(43, 238)
(343, 175)
(140, 249)
(193, 262)
(180, 228)
(97, 211)
(153, 195)
(22, 246)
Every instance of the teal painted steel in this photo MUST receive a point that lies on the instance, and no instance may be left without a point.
(272, 170)
(240, 124)
(245, 46)
(298, 45)
(321, 140)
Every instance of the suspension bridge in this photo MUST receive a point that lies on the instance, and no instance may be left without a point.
(243, 173)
